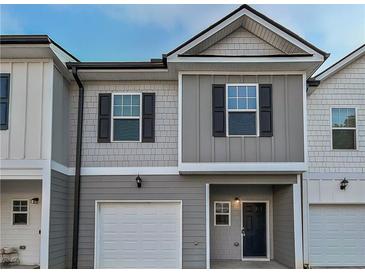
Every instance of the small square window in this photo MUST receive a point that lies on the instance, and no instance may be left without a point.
(222, 213)
(20, 212)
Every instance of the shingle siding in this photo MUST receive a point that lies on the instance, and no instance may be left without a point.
(163, 152)
(346, 89)
(241, 42)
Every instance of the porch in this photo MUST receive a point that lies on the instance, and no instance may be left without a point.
(20, 224)
(253, 226)
(238, 264)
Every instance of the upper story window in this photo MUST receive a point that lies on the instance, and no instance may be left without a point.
(242, 103)
(126, 124)
(4, 100)
(20, 212)
(343, 128)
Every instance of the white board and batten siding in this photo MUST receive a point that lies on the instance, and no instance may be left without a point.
(28, 136)
(143, 234)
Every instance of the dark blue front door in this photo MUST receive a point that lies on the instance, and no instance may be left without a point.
(254, 229)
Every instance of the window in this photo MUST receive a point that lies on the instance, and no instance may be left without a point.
(126, 124)
(20, 212)
(222, 213)
(4, 100)
(242, 109)
(343, 128)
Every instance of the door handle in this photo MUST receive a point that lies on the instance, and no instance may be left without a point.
(243, 232)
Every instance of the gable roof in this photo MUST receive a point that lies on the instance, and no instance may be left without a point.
(33, 40)
(255, 12)
(340, 64)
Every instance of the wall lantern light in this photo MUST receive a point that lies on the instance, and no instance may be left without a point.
(344, 184)
(237, 200)
(139, 181)
(34, 201)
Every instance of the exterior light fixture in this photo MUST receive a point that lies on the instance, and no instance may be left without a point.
(344, 184)
(236, 200)
(34, 201)
(139, 181)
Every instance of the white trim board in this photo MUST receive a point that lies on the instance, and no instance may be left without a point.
(97, 207)
(341, 64)
(207, 225)
(22, 169)
(298, 229)
(94, 171)
(334, 175)
(242, 167)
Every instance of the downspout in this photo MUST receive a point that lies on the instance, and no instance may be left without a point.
(75, 239)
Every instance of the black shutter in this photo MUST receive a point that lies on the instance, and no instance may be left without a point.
(148, 117)
(4, 100)
(265, 102)
(219, 110)
(104, 117)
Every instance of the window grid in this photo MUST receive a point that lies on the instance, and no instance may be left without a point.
(252, 87)
(335, 127)
(126, 117)
(221, 204)
(19, 207)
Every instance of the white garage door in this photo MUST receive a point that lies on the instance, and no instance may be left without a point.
(138, 235)
(337, 235)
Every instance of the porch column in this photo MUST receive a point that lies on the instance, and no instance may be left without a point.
(207, 225)
(46, 194)
(297, 212)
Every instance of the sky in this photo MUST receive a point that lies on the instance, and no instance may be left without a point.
(141, 32)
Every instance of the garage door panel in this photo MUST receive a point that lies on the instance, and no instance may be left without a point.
(139, 235)
(337, 235)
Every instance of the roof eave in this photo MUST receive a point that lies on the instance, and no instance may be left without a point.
(116, 65)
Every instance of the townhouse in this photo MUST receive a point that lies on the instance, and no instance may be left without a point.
(34, 129)
(195, 160)
(334, 185)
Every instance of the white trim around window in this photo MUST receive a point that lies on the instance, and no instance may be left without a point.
(255, 110)
(126, 117)
(344, 128)
(222, 213)
(20, 211)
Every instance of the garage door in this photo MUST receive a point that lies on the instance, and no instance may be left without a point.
(138, 235)
(337, 235)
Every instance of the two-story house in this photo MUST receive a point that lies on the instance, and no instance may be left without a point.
(33, 132)
(334, 186)
(194, 160)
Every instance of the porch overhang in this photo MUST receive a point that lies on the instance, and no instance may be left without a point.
(242, 168)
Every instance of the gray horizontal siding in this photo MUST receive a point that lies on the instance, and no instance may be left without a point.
(61, 212)
(189, 189)
(284, 245)
(198, 144)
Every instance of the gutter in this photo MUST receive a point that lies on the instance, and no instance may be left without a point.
(75, 238)
(153, 64)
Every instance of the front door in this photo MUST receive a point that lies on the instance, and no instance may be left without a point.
(254, 229)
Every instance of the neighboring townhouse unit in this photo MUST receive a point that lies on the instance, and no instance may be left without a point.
(194, 160)
(34, 111)
(334, 186)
